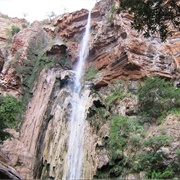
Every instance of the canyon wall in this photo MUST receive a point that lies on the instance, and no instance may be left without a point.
(38, 150)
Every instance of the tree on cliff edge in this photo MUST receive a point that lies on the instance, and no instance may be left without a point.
(153, 16)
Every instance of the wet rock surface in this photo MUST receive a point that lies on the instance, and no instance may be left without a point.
(116, 51)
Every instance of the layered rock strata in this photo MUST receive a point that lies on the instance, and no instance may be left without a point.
(116, 51)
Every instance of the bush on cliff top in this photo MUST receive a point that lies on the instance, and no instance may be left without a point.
(14, 29)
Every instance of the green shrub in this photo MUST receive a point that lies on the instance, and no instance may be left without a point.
(153, 160)
(119, 131)
(117, 91)
(25, 25)
(10, 111)
(156, 142)
(118, 87)
(97, 116)
(114, 10)
(125, 136)
(168, 173)
(91, 73)
(123, 133)
(111, 99)
(50, 62)
(14, 30)
(11, 32)
(116, 171)
(175, 111)
(157, 96)
(178, 153)
(31, 70)
(135, 140)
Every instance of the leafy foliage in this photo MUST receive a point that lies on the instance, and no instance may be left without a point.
(25, 25)
(10, 110)
(178, 153)
(11, 32)
(154, 161)
(32, 68)
(91, 73)
(125, 133)
(155, 143)
(14, 30)
(166, 174)
(117, 91)
(97, 115)
(157, 96)
(119, 131)
(153, 16)
(129, 152)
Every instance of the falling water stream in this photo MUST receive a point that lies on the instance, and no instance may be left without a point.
(77, 119)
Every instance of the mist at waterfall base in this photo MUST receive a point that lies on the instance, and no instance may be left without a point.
(77, 119)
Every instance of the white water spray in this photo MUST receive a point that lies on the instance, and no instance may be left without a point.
(83, 54)
(77, 120)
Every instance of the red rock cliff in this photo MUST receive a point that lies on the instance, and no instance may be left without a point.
(116, 50)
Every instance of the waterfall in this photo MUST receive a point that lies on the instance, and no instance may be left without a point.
(77, 119)
(82, 55)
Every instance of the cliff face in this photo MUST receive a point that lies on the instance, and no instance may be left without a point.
(9, 83)
(119, 52)
(41, 146)
(116, 51)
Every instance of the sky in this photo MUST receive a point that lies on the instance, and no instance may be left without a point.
(39, 9)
